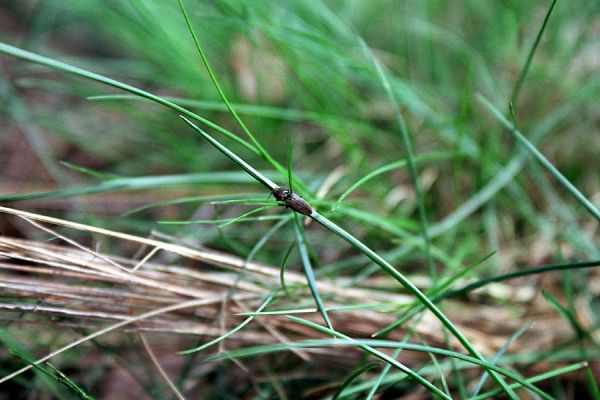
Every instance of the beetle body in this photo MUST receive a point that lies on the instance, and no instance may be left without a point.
(292, 200)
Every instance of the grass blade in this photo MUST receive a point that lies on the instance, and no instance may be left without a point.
(389, 167)
(353, 376)
(536, 43)
(234, 157)
(542, 159)
(231, 332)
(63, 67)
(308, 270)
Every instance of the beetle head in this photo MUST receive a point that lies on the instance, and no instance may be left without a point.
(281, 194)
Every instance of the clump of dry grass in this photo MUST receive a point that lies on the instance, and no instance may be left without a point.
(199, 293)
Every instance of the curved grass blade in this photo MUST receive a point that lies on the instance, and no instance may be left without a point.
(542, 159)
(525, 272)
(282, 269)
(38, 59)
(308, 270)
(434, 156)
(134, 183)
(231, 332)
(353, 376)
(245, 215)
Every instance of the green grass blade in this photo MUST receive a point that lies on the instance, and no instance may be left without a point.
(245, 216)
(353, 376)
(72, 386)
(523, 73)
(186, 200)
(283, 266)
(308, 270)
(234, 157)
(63, 67)
(261, 218)
(231, 332)
(542, 159)
(136, 183)
(524, 272)
(434, 156)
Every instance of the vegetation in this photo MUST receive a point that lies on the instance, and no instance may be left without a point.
(448, 151)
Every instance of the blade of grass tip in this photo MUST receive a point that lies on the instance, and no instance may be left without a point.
(261, 150)
(408, 285)
(390, 167)
(308, 271)
(67, 68)
(234, 157)
(231, 332)
(542, 159)
(292, 145)
(425, 383)
(245, 215)
(436, 295)
(500, 353)
(353, 376)
(89, 171)
(412, 169)
(525, 70)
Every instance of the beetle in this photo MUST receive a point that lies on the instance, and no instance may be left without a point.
(292, 200)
